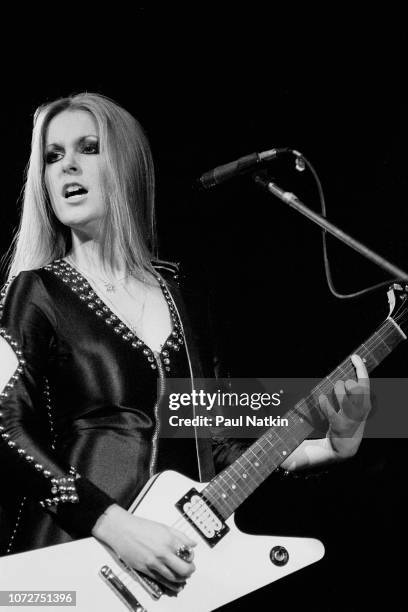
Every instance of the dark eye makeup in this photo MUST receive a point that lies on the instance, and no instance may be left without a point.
(90, 147)
(52, 156)
(86, 146)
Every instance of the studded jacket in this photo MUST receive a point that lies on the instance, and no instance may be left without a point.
(78, 424)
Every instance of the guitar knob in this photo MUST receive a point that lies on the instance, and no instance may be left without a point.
(279, 555)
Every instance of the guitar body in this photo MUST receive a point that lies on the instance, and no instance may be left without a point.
(238, 563)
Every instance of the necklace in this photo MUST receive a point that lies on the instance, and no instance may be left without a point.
(108, 284)
(131, 325)
(110, 287)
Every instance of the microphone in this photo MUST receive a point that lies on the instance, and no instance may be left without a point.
(239, 166)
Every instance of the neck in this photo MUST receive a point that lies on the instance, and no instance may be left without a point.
(85, 254)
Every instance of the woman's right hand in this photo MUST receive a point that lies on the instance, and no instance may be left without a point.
(147, 546)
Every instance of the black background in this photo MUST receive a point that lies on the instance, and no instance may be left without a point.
(208, 90)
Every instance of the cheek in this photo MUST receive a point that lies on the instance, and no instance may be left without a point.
(49, 182)
(52, 191)
(99, 186)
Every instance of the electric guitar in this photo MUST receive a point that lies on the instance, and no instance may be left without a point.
(229, 563)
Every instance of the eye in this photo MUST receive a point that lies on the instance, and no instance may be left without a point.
(90, 148)
(52, 156)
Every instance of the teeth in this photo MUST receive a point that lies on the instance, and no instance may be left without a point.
(73, 189)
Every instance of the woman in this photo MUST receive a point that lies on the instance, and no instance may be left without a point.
(92, 325)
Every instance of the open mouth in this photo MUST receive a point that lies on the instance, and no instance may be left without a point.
(74, 190)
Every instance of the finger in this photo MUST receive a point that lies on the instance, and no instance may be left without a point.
(350, 385)
(340, 392)
(361, 370)
(186, 554)
(327, 409)
(162, 572)
(180, 568)
(184, 539)
(360, 404)
(171, 586)
(183, 546)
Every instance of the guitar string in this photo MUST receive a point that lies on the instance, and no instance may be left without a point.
(181, 523)
(190, 529)
(374, 340)
(263, 446)
(371, 343)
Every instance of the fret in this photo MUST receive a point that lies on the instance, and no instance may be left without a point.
(238, 484)
(375, 355)
(312, 400)
(232, 486)
(370, 362)
(256, 463)
(342, 372)
(247, 471)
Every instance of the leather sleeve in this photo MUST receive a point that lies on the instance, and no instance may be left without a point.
(28, 324)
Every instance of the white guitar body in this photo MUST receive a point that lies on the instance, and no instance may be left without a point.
(238, 564)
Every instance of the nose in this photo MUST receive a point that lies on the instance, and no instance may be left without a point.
(70, 164)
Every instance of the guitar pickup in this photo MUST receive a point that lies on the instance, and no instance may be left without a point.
(198, 511)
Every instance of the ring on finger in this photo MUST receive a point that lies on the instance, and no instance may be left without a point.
(184, 552)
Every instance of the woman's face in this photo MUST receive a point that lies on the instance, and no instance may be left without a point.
(73, 170)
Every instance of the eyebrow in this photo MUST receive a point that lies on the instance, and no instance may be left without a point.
(77, 141)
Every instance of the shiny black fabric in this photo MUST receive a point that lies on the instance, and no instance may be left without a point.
(102, 418)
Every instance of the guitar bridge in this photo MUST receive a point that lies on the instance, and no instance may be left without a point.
(198, 511)
(121, 590)
(149, 584)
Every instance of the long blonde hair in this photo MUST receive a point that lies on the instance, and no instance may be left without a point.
(128, 229)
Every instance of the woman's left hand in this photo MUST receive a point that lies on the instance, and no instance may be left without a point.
(347, 425)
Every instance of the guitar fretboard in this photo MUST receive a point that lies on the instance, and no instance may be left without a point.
(232, 486)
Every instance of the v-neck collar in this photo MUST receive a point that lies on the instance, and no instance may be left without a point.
(82, 288)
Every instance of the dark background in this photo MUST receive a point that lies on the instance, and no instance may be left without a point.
(207, 91)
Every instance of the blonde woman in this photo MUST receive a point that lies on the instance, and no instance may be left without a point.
(88, 326)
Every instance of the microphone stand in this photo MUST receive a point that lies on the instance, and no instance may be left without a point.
(294, 202)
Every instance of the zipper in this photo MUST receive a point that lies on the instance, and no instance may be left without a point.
(162, 386)
(190, 368)
(182, 329)
(16, 526)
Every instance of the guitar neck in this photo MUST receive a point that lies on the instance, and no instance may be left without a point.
(232, 486)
